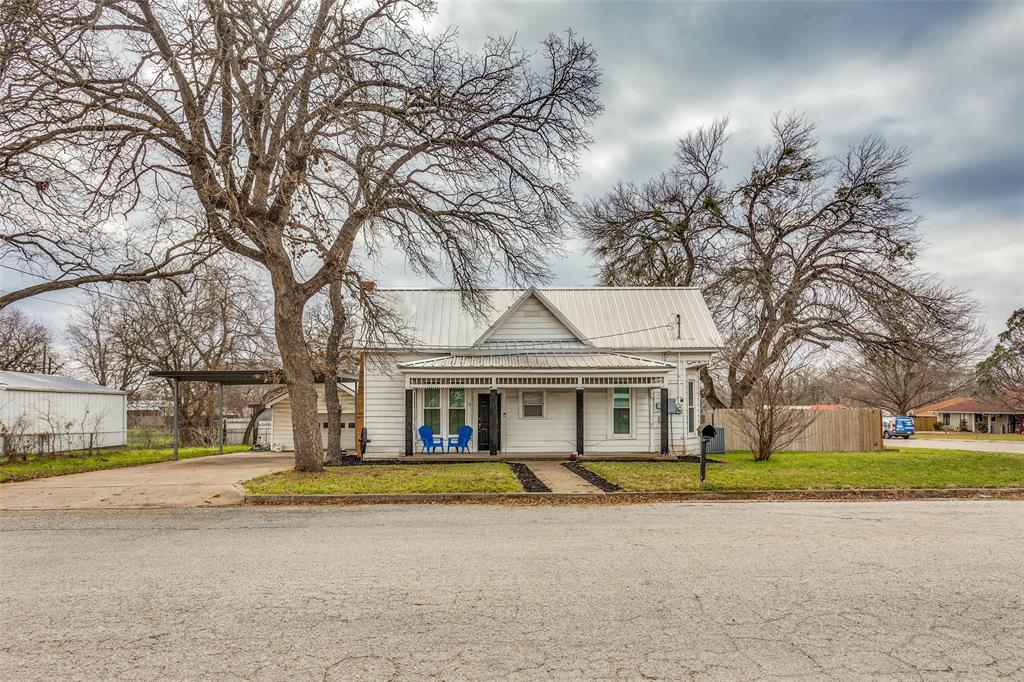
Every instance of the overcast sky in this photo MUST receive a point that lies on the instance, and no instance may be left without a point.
(944, 79)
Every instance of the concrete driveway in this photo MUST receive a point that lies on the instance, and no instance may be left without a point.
(197, 482)
(738, 591)
(950, 444)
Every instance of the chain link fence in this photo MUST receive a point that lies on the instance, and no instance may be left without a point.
(15, 447)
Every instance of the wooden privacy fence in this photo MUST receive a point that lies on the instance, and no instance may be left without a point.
(846, 430)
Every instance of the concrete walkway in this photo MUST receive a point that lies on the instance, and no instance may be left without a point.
(561, 480)
(198, 482)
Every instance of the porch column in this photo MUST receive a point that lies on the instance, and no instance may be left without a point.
(579, 421)
(492, 422)
(664, 420)
(408, 422)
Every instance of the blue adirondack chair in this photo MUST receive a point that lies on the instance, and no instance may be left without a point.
(461, 441)
(430, 441)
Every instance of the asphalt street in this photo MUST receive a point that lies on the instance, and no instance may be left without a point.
(816, 590)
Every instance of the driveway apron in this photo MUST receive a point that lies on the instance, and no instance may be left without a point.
(198, 482)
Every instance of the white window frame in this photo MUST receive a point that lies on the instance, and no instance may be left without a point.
(611, 415)
(543, 404)
(441, 400)
(691, 409)
(466, 418)
(445, 407)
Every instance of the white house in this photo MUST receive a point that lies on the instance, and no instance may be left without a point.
(60, 413)
(546, 370)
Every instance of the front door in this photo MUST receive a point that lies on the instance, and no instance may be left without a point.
(483, 431)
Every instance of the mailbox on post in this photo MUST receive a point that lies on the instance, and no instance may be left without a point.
(707, 432)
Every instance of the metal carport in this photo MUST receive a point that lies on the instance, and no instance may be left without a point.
(222, 377)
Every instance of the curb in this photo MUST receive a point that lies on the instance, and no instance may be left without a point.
(640, 497)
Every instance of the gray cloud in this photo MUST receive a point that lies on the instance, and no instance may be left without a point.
(943, 79)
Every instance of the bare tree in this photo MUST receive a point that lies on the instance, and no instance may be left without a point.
(298, 127)
(773, 415)
(215, 318)
(26, 345)
(56, 223)
(1001, 374)
(900, 385)
(330, 336)
(935, 362)
(99, 342)
(805, 250)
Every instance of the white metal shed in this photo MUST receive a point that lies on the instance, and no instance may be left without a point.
(61, 413)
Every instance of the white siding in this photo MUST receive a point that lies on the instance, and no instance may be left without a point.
(531, 321)
(555, 432)
(70, 417)
(384, 407)
(597, 432)
(281, 420)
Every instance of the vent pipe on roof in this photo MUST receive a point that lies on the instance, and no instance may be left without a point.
(679, 326)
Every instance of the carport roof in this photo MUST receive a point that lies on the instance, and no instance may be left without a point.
(231, 376)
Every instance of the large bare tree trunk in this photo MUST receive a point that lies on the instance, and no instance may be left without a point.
(298, 372)
(333, 357)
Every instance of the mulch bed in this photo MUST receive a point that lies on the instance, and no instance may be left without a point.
(530, 483)
(592, 478)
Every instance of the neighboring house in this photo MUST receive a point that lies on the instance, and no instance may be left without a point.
(545, 370)
(43, 412)
(978, 414)
(281, 418)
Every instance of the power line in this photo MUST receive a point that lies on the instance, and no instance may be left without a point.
(634, 331)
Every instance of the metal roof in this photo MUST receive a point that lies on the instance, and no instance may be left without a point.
(22, 381)
(239, 377)
(610, 318)
(539, 361)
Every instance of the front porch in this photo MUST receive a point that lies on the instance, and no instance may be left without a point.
(540, 406)
(537, 456)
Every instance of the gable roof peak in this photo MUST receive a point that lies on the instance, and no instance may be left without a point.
(535, 294)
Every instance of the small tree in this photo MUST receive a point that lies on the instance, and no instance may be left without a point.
(772, 417)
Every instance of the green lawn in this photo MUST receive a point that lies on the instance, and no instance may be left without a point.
(970, 435)
(824, 471)
(106, 459)
(481, 477)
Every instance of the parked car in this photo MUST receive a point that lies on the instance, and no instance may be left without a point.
(897, 427)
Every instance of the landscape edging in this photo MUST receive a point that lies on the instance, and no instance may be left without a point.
(627, 497)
